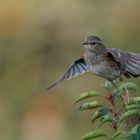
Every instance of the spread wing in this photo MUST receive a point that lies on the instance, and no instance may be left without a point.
(129, 62)
(77, 68)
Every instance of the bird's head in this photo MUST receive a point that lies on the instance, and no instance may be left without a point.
(94, 44)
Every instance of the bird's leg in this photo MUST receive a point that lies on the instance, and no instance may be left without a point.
(118, 90)
(126, 90)
(115, 86)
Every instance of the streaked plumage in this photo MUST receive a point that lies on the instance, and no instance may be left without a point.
(79, 67)
(107, 63)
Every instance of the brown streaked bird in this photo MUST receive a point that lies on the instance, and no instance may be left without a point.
(109, 63)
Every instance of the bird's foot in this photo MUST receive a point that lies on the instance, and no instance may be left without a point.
(123, 97)
(127, 96)
(118, 92)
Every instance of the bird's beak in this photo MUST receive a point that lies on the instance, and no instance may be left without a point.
(84, 43)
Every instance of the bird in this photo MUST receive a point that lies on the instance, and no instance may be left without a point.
(108, 63)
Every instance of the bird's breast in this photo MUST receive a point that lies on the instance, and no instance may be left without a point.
(103, 69)
(103, 66)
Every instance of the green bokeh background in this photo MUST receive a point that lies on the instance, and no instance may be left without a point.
(39, 39)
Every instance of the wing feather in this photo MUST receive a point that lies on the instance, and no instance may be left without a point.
(79, 67)
(129, 61)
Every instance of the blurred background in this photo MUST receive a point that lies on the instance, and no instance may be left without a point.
(39, 39)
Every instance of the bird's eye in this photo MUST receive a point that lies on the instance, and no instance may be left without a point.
(93, 43)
